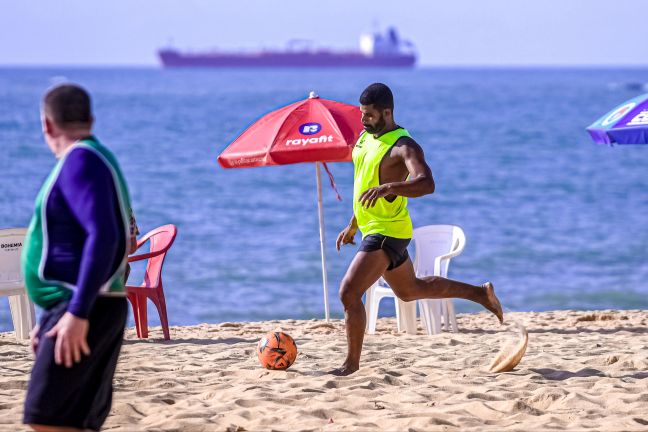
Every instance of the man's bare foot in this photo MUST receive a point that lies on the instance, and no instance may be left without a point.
(493, 302)
(345, 370)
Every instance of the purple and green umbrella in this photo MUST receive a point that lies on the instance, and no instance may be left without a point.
(625, 124)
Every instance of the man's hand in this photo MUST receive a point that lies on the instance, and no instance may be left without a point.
(369, 197)
(71, 339)
(346, 236)
(33, 338)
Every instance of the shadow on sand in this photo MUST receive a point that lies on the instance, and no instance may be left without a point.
(193, 341)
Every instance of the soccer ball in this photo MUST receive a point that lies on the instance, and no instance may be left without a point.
(277, 350)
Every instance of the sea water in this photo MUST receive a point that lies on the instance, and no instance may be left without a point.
(552, 219)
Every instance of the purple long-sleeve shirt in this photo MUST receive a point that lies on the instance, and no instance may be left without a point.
(86, 240)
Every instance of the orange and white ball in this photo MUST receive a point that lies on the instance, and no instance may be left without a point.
(277, 350)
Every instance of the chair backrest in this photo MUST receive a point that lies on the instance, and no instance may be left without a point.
(11, 244)
(161, 239)
(432, 241)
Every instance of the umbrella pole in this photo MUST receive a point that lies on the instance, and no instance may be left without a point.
(320, 208)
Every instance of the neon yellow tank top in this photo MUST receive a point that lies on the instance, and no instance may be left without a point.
(390, 219)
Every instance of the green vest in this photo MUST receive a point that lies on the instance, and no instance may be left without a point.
(46, 292)
(390, 219)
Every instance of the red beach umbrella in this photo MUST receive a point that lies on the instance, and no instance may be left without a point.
(311, 130)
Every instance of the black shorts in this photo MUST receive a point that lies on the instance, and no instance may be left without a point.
(80, 396)
(395, 248)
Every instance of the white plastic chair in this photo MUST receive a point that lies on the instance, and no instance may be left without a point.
(405, 311)
(11, 281)
(434, 246)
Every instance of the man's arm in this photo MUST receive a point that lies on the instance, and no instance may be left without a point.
(420, 180)
(89, 191)
(347, 234)
(353, 223)
(86, 184)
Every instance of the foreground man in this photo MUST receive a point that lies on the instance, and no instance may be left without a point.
(383, 158)
(73, 261)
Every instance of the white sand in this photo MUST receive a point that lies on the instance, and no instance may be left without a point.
(582, 370)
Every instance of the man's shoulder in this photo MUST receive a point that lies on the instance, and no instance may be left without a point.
(84, 155)
(84, 161)
(406, 143)
(405, 140)
(363, 135)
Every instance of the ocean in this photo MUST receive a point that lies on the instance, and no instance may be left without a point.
(552, 219)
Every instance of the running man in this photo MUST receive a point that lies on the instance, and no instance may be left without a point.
(384, 157)
(73, 261)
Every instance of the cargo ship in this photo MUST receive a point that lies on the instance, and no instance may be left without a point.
(376, 50)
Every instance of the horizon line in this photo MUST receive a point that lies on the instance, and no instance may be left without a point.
(417, 67)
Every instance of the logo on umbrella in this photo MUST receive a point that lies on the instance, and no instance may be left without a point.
(639, 119)
(618, 113)
(310, 128)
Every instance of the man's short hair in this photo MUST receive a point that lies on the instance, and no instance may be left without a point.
(68, 105)
(378, 95)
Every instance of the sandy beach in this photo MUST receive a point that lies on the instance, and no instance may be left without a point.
(582, 371)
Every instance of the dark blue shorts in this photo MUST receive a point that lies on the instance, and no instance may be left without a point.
(80, 396)
(395, 248)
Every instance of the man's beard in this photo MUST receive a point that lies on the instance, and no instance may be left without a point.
(377, 128)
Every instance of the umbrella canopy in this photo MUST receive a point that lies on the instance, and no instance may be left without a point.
(312, 130)
(625, 124)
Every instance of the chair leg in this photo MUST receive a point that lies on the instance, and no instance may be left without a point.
(27, 313)
(132, 299)
(444, 316)
(435, 307)
(372, 315)
(399, 318)
(423, 313)
(426, 318)
(143, 316)
(20, 329)
(451, 315)
(406, 316)
(162, 311)
(432, 315)
(367, 306)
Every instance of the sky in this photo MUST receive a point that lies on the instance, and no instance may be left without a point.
(445, 33)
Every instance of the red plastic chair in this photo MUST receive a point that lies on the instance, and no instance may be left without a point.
(161, 240)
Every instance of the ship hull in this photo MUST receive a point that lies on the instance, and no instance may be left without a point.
(175, 59)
